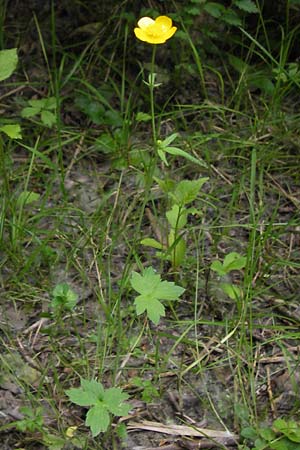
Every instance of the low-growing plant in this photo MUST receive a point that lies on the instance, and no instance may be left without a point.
(45, 108)
(232, 261)
(152, 292)
(282, 435)
(173, 247)
(102, 403)
(63, 298)
(149, 390)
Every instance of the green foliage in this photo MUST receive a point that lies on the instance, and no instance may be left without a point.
(97, 112)
(185, 192)
(164, 147)
(232, 261)
(149, 391)
(152, 291)
(44, 108)
(103, 404)
(282, 435)
(13, 131)
(32, 421)
(27, 197)
(63, 298)
(8, 62)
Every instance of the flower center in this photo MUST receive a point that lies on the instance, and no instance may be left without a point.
(156, 30)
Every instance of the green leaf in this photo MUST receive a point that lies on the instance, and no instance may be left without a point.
(178, 249)
(214, 9)
(168, 140)
(80, 397)
(63, 297)
(178, 152)
(234, 261)
(233, 291)
(260, 444)
(289, 428)
(27, 197)
(8, 62)
(246, 5)
(231, 18)
(249, 433)
(38, 103)
(48, 118)
(154, 308)
(88, 394)
(30, 111)
(283, 444)
(146, 282)
(217, 266)
(142, 117)
(152, 243)
(93, 386)
(177, 217)
(114, 398)
(12, 130)
(187, 191)
(167, 290)
(97, 419)
(152, 289)
(238, 64)
(162, 156)
(267, 434)
(50, 103)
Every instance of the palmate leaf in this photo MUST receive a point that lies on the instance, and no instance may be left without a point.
(146, 282)
(102, 402)
(167, 290)
(154, 308)
(97, 419)
(114, 399)
(80, 397)
(88, 394)
(152, 290)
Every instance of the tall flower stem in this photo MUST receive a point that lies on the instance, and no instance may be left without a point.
(151, 84)
(152, 106)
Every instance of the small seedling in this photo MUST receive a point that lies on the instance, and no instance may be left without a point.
(149, 391)
(32, 421)
(152, 290)
(282, 435)
(63, 298)
(232, 261)
(103, 404)
(44, 108)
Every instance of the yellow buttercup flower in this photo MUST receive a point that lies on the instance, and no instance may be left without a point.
(156, 31)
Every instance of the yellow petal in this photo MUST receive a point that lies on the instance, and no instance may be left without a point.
(164, 22)
(71, 431)
(170, 33)
(144, 22)
(141, 35)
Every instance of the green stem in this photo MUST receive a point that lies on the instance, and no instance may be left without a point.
(151, 87)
